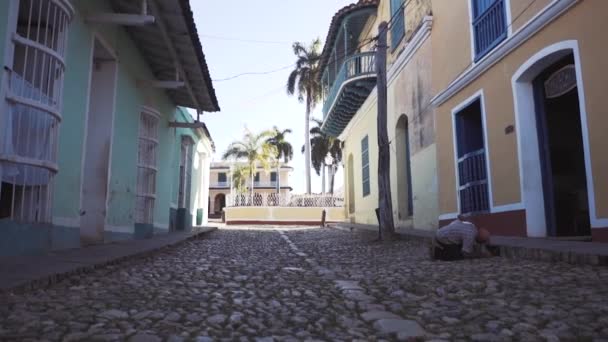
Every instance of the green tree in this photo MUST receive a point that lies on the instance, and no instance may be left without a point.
(254, 150)
(240, 174)
(304, 82)
(283, 148)
(323, 146)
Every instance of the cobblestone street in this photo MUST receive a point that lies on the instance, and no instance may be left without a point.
(312, 284)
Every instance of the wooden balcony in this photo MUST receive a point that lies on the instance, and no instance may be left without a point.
(353, 84)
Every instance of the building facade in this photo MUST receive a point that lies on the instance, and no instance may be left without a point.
(221, 185)
(494, 110)
(350, 108)
(94, 142)
(520, 119)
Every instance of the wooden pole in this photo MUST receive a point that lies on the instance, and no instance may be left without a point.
(387, 226)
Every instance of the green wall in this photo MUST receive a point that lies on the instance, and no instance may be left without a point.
(3, 29)
(129, 100)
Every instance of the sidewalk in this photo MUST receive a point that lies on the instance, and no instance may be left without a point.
(26, 272)
(573, 252)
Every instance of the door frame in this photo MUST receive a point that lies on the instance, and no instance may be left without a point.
(527, 136)
(96, 37)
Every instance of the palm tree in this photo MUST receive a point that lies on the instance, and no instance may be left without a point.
(323, 146)
(255, 150)
(303, 80)
(283, 150)
(240, 174)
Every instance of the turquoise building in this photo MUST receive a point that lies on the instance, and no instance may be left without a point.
(96, 143)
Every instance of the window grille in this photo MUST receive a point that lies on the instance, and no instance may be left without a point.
(471, 160)
(489, 25)
(31, 110)
(398, 25)
(146, 168)
(365, 165)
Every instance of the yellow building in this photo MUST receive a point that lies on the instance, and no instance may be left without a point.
(520, 119)
(220, 185)
(350, 108)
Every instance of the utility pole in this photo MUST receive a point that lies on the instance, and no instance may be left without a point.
(387, 226)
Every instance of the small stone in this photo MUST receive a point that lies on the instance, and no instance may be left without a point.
(217, 319)
(264, 339)
(484, 337)
(114, 314)
(145, 338)
(404, 328)
(450, 320)
(175, 338)
(75, 336)
(204, 339)
(376, 315)
(173, 317)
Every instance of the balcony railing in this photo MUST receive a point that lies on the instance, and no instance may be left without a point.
(490, 28)
(473, 180)
(273, 199)
(220, 185)
(265, 184)
(353, 67)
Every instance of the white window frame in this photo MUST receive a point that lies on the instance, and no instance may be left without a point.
(185, 176)
(149, 122)
(33, 92)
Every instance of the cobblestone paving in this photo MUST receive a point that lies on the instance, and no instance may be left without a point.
(486, 300)
(312, 284)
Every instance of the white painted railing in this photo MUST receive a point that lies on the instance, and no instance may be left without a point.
(272, 199)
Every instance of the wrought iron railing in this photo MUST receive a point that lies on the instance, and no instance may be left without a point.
(220, 185)
(490, 28)
(273, 199)
(473, 181)
(354, 66)
(265, 184)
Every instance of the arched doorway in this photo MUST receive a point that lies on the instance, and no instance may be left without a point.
(404, 169)
(219, 203)
(553, 145)
(351, 184)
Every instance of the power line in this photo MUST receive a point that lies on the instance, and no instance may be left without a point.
(366, 42)
(255, 73)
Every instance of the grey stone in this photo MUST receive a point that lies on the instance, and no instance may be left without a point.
(145, 338)
(376, 315)
(404, 327)
(114, 314)
(217, 319)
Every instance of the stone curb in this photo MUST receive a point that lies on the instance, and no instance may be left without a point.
(48, 280)
(506, 251)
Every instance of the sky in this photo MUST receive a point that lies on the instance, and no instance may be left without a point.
(259, 102)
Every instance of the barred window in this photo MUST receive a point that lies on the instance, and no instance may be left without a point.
(30, 114)
(146, 167)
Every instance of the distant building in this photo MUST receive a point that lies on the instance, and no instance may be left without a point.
(221, 185)
(95, 142)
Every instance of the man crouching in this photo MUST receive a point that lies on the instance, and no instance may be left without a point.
(459, 240)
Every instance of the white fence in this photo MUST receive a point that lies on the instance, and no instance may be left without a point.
(272, 199)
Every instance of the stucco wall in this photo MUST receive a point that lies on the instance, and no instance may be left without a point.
(409, 94)
(363, 124)
(585, 22)
(282, 215)
(129, 100)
